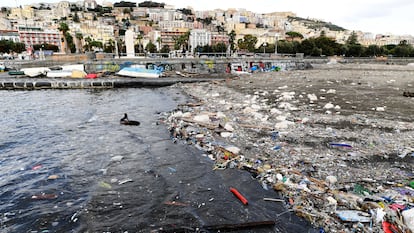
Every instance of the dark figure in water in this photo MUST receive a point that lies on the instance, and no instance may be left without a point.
(126, 121)
(408, 94)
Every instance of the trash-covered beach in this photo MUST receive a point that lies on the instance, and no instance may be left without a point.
(336, 141)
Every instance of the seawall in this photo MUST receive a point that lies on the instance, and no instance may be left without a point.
(101, 83)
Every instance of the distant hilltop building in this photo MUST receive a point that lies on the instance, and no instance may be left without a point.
(90, 4)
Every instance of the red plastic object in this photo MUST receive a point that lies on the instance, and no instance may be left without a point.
(92, 76)
(239, 196)
(388, 227)
(37, 167)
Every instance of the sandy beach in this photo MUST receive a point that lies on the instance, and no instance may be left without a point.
(336, 141)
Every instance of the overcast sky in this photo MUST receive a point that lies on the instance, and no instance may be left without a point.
(376, 16)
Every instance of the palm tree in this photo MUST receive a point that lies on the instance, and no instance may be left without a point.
(79, 45)
(64, 28)
(88, 41)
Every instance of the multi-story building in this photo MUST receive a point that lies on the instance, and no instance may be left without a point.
(199, 37)
(169, 37)
(169, 25)
(90, 4)
(10, 35)
(36, 35)
(62, 9)
(217, 38)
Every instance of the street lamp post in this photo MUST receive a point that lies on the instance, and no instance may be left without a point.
(264, 48)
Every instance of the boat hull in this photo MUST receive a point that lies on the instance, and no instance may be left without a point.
(136, 72)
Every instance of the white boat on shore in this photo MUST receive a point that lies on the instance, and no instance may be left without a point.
(139, 72)
(59, 74)
(36, 71)
(68, 71)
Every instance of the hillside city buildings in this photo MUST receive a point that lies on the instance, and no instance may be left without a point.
(39, 23)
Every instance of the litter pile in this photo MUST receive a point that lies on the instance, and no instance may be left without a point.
(339, 161)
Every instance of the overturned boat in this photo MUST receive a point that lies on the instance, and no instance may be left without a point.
(36, 71)
(139, 72)
(68, 71)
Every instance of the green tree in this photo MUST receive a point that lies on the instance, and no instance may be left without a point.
(165, 49)
(307, 46)
(18, 47)
(7, 46)
(96, 44)
(150, 47)
(87, 45)
(232, 40)
(294, 35)
(374, 50)
(109, 46)
(354, 48)
(248, 43)
(219, 48)
(283, 46)
(352, 39)
(403, 49)
(45, 46)
(70, 42)
(181, 42)
(327, 46)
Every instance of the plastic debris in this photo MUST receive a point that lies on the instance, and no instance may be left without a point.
(44, 196)
(239, 196)
(37, 167)
(340, 145)
(408, 216)
(53, 177)
(105, 185)
(353, 216)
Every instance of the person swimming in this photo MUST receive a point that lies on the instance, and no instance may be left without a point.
(126, 121)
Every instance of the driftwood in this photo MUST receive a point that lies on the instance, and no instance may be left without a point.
(204, 124)
(255, 126)
(192, 104)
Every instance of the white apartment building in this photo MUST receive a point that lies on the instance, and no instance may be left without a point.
(169, 25)
(199, 37)
(10, 35)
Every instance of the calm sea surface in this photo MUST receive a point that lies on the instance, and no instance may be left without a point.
(67, 165)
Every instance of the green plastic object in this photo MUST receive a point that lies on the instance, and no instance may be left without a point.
(412, 184)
